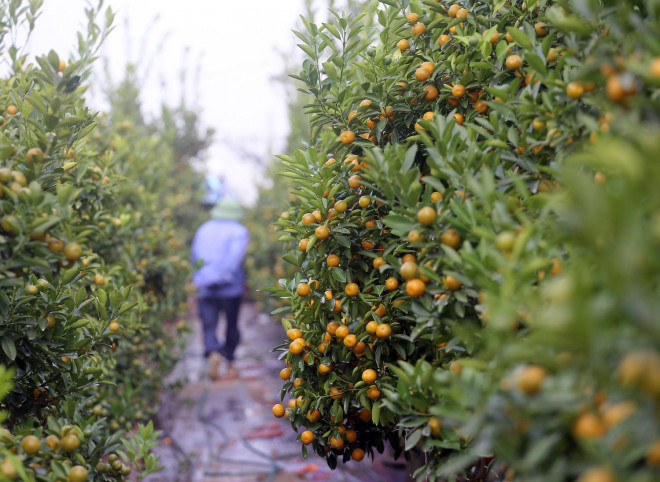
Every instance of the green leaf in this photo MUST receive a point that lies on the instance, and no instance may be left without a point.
(81, 295)
(520, 37)
(9, 347)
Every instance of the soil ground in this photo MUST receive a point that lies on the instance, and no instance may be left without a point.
(224, 431)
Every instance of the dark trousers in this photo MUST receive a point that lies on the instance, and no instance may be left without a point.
(209, 312)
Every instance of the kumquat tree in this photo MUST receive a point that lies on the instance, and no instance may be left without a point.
(476, 237)
(92, 265)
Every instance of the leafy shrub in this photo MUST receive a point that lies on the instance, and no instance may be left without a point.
(478, 280)
(95, 216)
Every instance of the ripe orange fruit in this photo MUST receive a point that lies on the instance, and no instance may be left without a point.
(530, 379)
(552, 55)
(285, 373)
(293, 333)
(383, 331)
(342, 331)
(459, 121)
(589, 425)
(350, 341)
(462, 13)
(378, 262)
(381, 310)
(598, 474)
(351, 436)
(307, 437)
(437, 196)
(296, 346)
(415, 287)
(513, 62)
(341, 206)
(426, 215)
(332, 260)
(347, 137)
(408, 270)
(654, 68)
(278, 410)
(303, 289)
(337, 306)
(331, 328)
(11, 109)
(453, 10)
(373, 393)
(35, 155)
(391, 284)
(443, 39)
(55, 245)
(541, 29)
(365, 415)
(481, 106)
(574, 90)
(614, 414)
(415, 236)
(494, 36)
(31, 444)
(78, 473)
(436, 425)
(302, 245)
(422, 74)
(337, 443)
(371, 327)
(450, 283)
(402, 44)
(308, 218)
(653, 454)
(322, 232)
(314, 416)
(458, 91)
(418, 29)
(408, 257)
(61, 66)
(323, 368)
(352, 289)
(413, 17)
(431, 92)
(354, 182)
(615, 89)
(369, 375)
(70, 443)
(53, 442)
(357, 454)
(451, 238)
(428, 66)
(359, 348)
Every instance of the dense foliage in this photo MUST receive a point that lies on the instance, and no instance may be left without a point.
(96, 212)
(475, 238)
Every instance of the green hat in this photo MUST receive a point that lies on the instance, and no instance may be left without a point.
(227, 208)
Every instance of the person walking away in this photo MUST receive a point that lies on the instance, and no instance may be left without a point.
(220, 244)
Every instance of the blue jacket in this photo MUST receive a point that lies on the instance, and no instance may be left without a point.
(221, 245)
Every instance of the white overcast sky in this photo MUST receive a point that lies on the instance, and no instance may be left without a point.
(238, 46)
